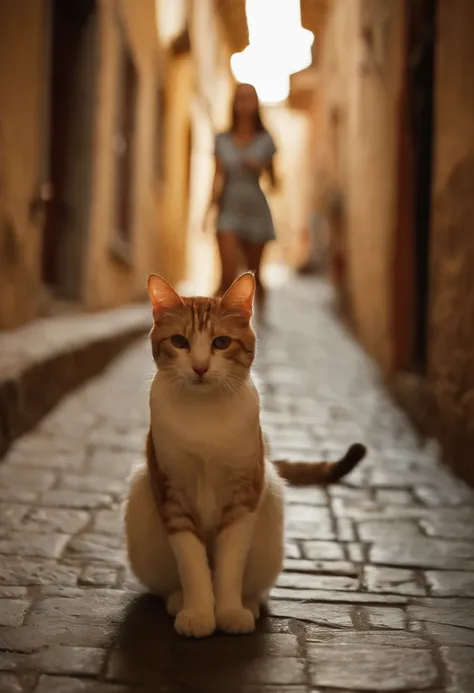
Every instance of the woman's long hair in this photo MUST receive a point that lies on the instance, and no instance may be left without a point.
(258, 123)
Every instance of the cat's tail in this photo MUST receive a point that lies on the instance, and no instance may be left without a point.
(320, 473)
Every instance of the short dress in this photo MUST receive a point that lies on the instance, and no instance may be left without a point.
(243, 207)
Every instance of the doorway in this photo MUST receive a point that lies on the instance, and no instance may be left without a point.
(415, 184)
(71, 85)
(421, 37)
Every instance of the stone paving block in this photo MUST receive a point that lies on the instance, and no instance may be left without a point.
(9, 495)
(54, 520)
(9, 683)
(307, 513)
(29, 638)
(372, 668)
(12, 592)
(11, 514)
(12, 611)
(79, 661)
(454, 493)
(52, 460)
(33, 544)
(448, 615)
(20, 478)
(356, 552)
(62, 684)
(99, 576)
(448, 528)
(19, 571)
(384, 580)
(336, 615)
(108, 522)
(394, 496)
(92, 483)
(120, 441)
(424, 553)
(384, 617)
(372, 510)
(323, 551)
(113, 463)
(292, 550)
(350, 638)
(329, 596)
(450, 635)
(96, 547)
(387, 529)
(306, 495)
(109, 607)
(302, 581)
(72, 499)
(345, 529)
(450, 583)
(321, 567)
(310, 530)
(459, 662)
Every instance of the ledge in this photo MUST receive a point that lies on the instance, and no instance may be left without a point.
(43, 361)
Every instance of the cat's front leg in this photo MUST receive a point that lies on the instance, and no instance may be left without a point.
(196, 619)
(230, 557)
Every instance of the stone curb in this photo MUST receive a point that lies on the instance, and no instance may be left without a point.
(59, 355)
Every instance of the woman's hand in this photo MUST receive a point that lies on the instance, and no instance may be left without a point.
(275, 185)
(209, 217)
(253, 165)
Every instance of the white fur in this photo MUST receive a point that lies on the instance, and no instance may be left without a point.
(203, 436)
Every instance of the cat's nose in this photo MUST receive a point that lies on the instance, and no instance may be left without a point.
(200, 370)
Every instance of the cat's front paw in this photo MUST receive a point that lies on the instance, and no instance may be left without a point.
(195, 623)
(237, 621)
(174, 603)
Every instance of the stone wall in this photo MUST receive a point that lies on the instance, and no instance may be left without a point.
(451, 335)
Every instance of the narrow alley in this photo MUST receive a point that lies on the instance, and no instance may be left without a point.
(378, 588)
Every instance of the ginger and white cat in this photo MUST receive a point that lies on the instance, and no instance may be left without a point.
(205, 515)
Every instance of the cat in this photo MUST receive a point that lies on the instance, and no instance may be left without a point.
(204, 517)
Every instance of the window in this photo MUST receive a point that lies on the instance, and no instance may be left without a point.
(159, 168)
(124, 147)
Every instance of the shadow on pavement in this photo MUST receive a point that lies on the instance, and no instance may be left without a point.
(149, 653)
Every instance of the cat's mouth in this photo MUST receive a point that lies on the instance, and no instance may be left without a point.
(200, 382)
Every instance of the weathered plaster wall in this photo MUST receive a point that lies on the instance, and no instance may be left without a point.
(361, 156)
(109, 281)
(451, 335)
(21, 88)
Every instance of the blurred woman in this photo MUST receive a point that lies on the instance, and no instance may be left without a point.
(244, 220)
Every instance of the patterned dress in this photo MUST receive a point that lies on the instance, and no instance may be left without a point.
(243, 207)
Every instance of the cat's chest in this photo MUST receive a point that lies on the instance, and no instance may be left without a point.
(203, 450)
(211, 432)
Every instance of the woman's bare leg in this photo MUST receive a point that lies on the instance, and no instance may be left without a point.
(229, 253)
(253, 253)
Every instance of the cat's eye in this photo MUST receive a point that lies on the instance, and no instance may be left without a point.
(179, 341)
(221, 342)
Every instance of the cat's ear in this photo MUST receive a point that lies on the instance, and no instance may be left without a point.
(240, 295)
(162, 296)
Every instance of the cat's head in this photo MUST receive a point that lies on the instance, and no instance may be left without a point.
(203, 343)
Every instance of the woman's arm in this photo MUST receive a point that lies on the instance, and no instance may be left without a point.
(217, 183)
(260, 168)
(271, 174)
(265, 160)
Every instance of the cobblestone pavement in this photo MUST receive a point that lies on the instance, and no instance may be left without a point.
(378, 588)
